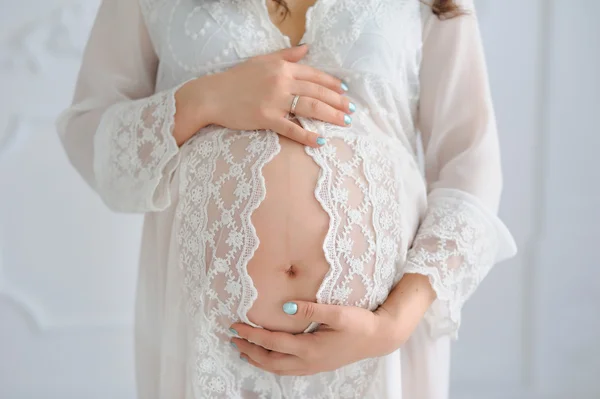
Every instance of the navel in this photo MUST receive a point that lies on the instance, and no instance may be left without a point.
(291, 271)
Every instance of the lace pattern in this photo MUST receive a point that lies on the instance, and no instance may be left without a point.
(221, 186)
(135, 153)
(333, 49)
(456, 247)
(362, 196)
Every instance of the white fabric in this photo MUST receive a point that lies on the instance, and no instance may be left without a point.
(407, 71)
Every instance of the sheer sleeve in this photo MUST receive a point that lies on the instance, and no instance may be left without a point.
(118, 132)
(460, 237)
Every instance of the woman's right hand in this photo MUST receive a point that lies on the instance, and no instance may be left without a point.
(258, 93)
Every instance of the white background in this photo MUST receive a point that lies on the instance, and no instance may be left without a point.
(67, 265)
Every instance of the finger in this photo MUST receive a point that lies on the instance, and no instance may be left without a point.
(268, 359)
(274, 341)
(292, 54)
(251, 361)
(313, 108)
(296, 373)
(292, 131)
(332, 315)
(314, 75)
(309, 89)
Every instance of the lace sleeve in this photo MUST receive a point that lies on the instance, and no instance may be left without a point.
(458, 243)
(118, 132)
(460, 237)
(135, 153)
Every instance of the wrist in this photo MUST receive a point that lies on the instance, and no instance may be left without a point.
(405, 307)
(206, 108)
(414, 294)
(194, 110)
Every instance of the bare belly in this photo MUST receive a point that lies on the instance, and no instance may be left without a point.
(289, 263)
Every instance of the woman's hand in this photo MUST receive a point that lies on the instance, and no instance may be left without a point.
(258, 94)
(347, 334)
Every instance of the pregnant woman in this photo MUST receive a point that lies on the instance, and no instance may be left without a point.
(292, 246)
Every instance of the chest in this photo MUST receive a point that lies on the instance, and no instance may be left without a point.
(201, 36)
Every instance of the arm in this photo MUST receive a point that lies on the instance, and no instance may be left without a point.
(118, 133)
(460, 237)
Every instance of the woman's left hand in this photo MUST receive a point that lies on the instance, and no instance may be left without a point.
(347, 334)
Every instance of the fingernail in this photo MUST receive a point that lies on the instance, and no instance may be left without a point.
(321, 141)
(244, 359)
(231, 330)
(290, 308)
(352, 107)
(234, 345)
(347, 119)
(344, 86)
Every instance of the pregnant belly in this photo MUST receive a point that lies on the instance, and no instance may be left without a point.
(291, 225)
(263, 220)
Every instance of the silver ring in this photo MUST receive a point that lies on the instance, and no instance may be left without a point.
(294, 103)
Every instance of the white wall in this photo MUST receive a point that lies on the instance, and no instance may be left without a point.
(67, 266)
(540, 339)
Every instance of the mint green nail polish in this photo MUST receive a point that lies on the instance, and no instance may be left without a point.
(290, 308)
(321, 141)
(352, 107)
(344, 86)
(231, 330)
(244, 359)
(347, 119)
(234, 345)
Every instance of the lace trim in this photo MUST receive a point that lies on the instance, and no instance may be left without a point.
(457, 244)
(363, 199)
(136, 153)
(272, 148)
(221, 186)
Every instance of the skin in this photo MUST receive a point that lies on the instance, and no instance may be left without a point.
(289, 263)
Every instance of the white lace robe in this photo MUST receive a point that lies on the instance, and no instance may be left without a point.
(408, 72)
